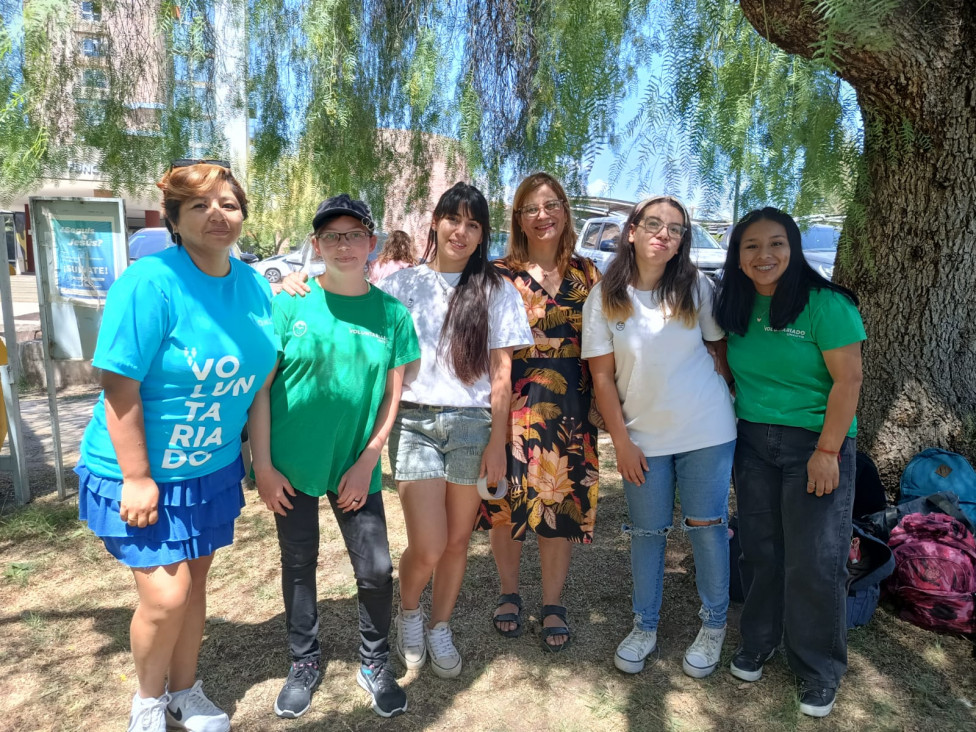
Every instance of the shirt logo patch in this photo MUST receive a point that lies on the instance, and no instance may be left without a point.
(620, 325)
(300, 328)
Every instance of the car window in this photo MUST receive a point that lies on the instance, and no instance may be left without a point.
(820, 238)
(701, 239)
(146, 242)
(591, 236)
(610, 237)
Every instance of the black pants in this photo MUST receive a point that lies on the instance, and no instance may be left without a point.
(364, 532)
(794, 550)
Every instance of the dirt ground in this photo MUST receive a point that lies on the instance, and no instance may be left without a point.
(65, 606)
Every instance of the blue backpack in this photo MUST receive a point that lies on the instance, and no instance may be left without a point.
(935, 471)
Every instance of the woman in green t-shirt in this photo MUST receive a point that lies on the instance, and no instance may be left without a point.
(795, 353)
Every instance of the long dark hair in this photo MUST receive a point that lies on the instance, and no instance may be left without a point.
(678, 287)
(737, 293)
(465, 330)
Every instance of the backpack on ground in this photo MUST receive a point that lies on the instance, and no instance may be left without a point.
(935, 471)
(934, 582)
(881, 523)
(869, 563)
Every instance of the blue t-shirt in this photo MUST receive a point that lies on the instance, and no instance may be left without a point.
(201, 346)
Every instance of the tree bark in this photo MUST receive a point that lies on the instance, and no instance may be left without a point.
(913, 261)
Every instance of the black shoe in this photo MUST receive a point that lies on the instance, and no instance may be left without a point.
(815, 700)
(389, 699)
(295, 696)
(749, 666)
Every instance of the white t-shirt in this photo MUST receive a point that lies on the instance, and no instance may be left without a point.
(672, 398)
(426, 294)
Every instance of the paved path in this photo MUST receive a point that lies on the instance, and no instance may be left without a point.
(74, 411)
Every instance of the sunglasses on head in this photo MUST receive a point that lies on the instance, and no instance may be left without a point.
(187, 162)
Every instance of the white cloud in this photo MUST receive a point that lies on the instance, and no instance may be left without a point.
(597, 187)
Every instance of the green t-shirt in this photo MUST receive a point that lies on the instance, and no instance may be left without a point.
(780, 375)
(336, 352)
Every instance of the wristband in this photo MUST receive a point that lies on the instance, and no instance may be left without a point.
(829, 452)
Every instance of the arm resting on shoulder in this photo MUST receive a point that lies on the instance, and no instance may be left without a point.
(630, 459)
(844, 365)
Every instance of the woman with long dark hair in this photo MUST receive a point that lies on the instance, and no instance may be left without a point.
(453, 419)
(794, 348)
(553, 472)
(657, 361)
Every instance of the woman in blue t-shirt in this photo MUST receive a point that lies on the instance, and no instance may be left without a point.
(794, 349)
(186, 341)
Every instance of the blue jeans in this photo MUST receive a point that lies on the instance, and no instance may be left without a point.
(794, 550)
(702, 478)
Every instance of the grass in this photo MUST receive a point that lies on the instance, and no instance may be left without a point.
(65, 606)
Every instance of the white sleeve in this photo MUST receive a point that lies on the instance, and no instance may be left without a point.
(508, 325)
(706, 316)
(597, 340)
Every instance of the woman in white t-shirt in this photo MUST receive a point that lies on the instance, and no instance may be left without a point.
(453, 419)
(659, 374)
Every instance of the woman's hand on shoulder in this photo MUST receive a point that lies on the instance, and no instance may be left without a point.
(823, 473)
(294, 284)
(139, 505)
(274, 489)
(631, 462)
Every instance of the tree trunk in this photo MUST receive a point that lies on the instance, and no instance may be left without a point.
(910, 253)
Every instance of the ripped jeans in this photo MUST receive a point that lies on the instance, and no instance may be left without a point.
(702, 478)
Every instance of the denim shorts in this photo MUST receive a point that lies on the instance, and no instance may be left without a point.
(439, 442)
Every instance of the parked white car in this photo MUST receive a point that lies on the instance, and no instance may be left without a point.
(600, 236)
(304, 259)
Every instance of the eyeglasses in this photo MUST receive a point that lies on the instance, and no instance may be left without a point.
(332, 238)
(532, 210)
(187, 162)
(653, 226)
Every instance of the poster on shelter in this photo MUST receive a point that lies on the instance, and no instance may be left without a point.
(84, 259)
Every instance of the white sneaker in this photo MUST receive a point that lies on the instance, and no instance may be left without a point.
(410, 647)
(191, 710)
(149, 714)
(703, 655)
(444, 657)
(633, 649)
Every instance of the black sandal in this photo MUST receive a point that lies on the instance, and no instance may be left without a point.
(513, 598)
(547, 633)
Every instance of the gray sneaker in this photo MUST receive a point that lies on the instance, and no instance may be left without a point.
(409, 644)
(148, 715)
(634, 649)
(444, 657)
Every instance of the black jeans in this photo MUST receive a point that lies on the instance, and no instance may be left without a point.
(364, 532)
(794, 550)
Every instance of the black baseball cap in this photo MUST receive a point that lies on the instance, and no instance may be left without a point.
(343, 205)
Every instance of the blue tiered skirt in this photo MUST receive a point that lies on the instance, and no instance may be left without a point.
(196, 516)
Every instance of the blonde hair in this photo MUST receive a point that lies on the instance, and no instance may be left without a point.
(518, 243)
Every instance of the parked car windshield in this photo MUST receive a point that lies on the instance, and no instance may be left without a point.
(820, 238)
(148, 241)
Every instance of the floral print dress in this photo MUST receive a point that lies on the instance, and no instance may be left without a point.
(553, 471)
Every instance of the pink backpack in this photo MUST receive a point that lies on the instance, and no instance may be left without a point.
(934, 582)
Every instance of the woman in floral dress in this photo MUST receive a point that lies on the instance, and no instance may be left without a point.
(553, 471)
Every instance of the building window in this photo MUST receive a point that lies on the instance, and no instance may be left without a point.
(94, 47)
(94, 79)
(91, 11)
